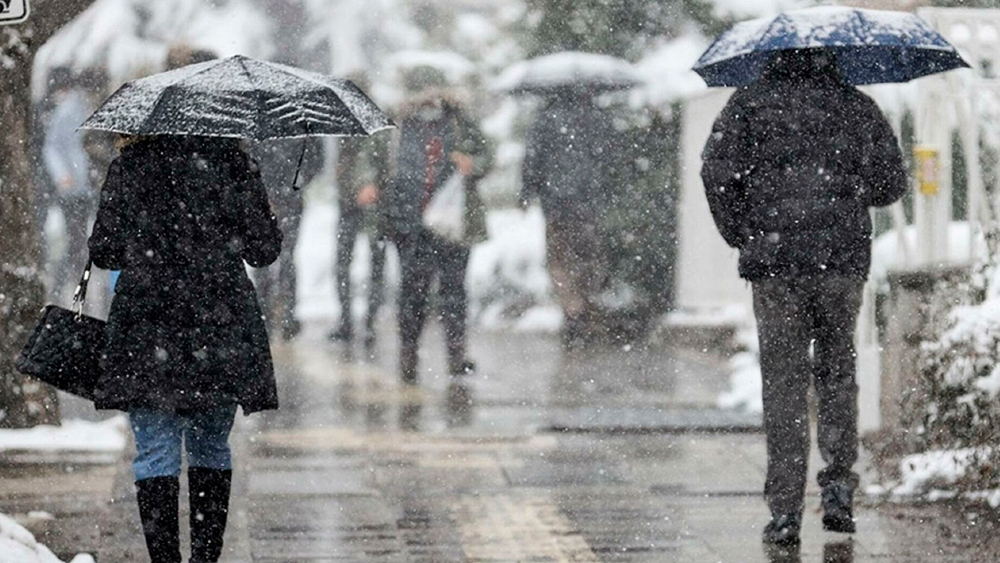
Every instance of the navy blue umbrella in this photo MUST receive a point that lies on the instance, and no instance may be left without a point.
(871, 47)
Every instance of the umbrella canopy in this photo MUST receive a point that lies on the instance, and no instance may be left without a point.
(871, 46)
(239, 97)
(569, 69)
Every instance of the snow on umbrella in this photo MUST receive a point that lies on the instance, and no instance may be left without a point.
(871, 46)
(239, 97)
(568, 69)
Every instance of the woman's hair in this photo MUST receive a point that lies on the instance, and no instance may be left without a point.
(128, 140)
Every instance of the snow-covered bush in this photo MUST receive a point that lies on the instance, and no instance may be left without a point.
(956, 400)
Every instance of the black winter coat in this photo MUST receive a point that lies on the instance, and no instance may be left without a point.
(790, 170)
(179, 216)
(569, 155)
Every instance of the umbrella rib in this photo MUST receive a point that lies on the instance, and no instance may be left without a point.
(861, 18)
(159, 100)
(357, 123)
(767, 31)
(260, 102)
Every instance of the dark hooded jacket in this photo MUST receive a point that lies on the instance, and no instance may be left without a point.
(793, 163)
(569, 158)
(179, 216)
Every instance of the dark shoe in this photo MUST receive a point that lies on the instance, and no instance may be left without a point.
(208, 491)
(344, 333)
(574, 334)
(408, 360)
(371, 344)
(408, 376)
(838, 508)
(783, 530)
(290, 329)
(463, 368)
(157, 499)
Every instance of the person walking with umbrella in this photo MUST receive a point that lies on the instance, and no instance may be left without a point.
(569, 163)
(792, 166)
(182, 209)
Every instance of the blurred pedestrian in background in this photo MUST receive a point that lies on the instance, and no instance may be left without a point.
(67, 167)
(362, 176)
(568, 164)
(186, 344)
(440, 150)
(182, 54)
(791, 168)
(276, 285)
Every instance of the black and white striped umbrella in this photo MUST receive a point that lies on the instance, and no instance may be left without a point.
(239, 97)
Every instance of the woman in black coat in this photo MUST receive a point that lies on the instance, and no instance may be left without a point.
(186, 342)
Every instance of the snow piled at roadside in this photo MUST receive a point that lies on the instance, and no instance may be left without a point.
(74, 435)
(934, 470)
(745, 380)
(509, 286)
(889, 252)
(932, 475)
(18, 545)
(729, 315)
(745, 385)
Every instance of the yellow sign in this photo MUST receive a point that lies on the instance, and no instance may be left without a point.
(928, 165)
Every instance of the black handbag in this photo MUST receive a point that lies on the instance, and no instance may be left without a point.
(65, 348)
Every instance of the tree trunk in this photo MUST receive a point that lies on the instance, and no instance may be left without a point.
(23, 402)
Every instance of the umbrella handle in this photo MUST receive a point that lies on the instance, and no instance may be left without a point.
(298, 166)
(302, 154)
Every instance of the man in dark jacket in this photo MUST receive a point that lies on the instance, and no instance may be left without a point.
(437, 140)
(791, 169)
(362, 174)
(567, 164)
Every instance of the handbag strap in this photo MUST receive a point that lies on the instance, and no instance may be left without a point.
(80, 294)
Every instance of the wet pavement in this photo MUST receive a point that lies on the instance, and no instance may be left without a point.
(611, 454)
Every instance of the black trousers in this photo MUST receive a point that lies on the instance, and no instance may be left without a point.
(351, 224)
(423, 257)
(795, 316)
(276, 285)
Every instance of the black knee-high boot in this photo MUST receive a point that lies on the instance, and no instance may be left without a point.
(208, 491)
(157, 499)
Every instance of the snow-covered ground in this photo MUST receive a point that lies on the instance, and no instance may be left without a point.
(18, 545)
(745, 382)
(73, 435)
(105, 440)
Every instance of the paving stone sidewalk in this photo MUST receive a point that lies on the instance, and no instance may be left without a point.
(610, 454)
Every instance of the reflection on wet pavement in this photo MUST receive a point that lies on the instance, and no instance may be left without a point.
(833, 552)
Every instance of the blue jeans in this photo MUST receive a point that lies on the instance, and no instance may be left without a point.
(158, 437)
